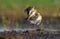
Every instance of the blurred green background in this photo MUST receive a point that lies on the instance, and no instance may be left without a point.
(15, 8)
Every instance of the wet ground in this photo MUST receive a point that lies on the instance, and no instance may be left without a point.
(29, 35)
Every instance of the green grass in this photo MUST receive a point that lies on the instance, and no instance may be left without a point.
(12, 4)
(20, 5)
(23, 3)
